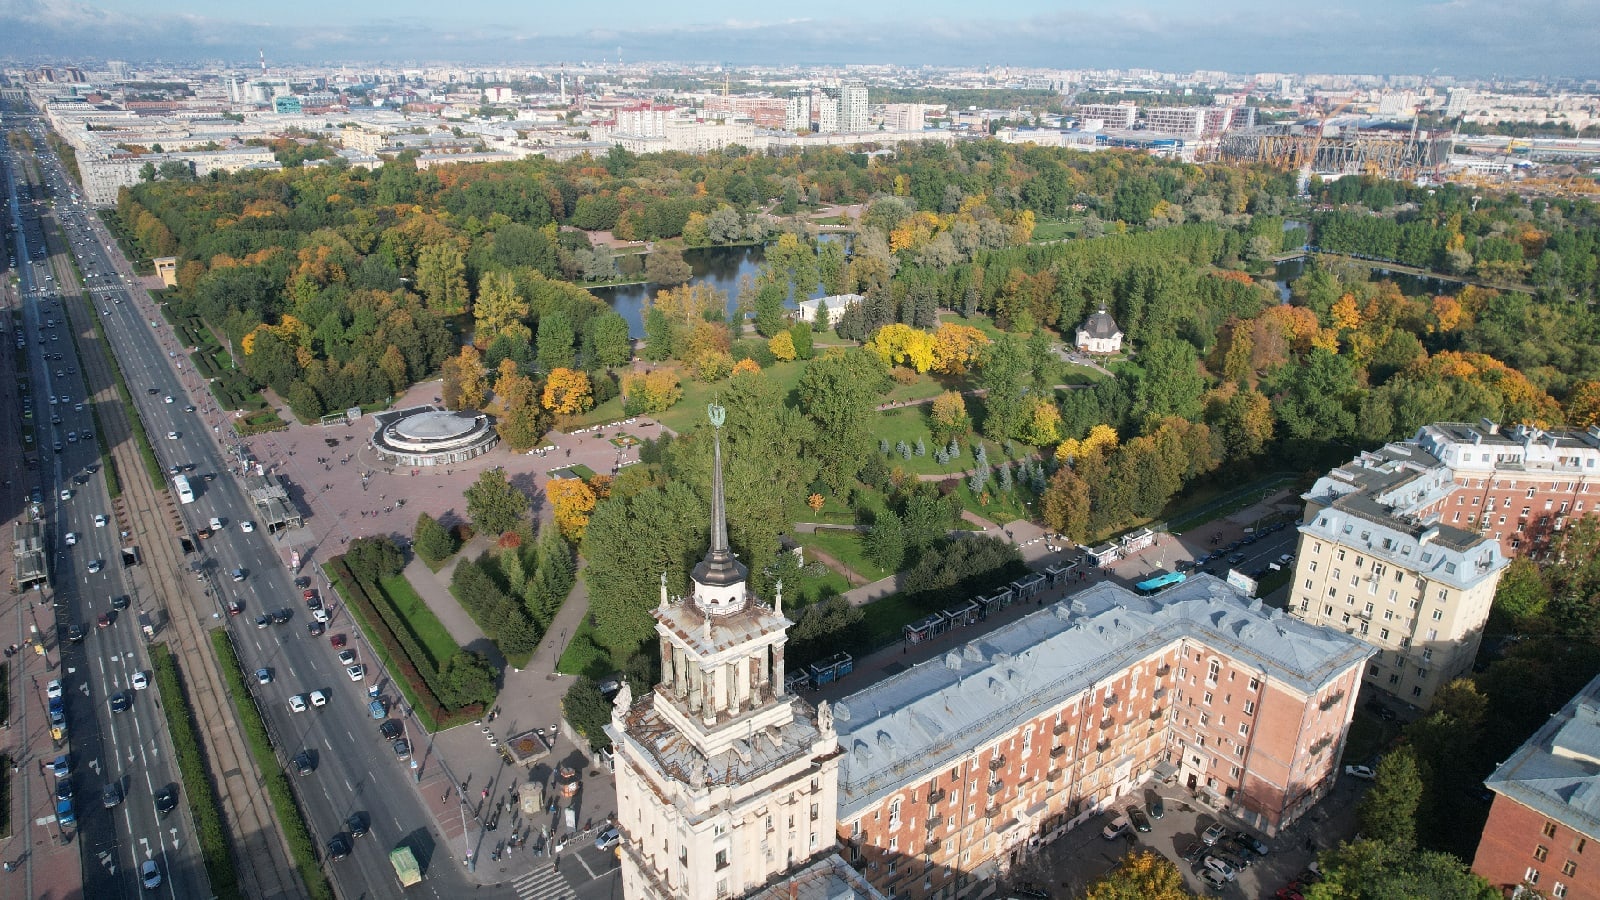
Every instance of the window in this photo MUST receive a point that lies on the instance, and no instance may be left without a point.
(1211, 672)
(722, 859)
(1558, 891)
(1569, 868)
(1340, 556)
(1244, 729)
(1438, 615)
(1206, 698)
(1531, 876)
(894, 813)
(1255, 684)
(1541, 853)
(1250, 708)
(1579, 844)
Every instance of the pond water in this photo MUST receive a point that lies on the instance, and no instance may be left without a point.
(720, 267)
(1411, 285)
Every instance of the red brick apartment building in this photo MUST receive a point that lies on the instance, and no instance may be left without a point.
(1546, 810)
(947, 767)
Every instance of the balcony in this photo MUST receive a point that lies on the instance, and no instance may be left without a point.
(936, 795)
(930, 847)
(1158, 693)
(1058, 751)
(1157, 713)
(934, 822)
(1103, 746)
(1332, 701)
(1061, 728)
(1163, 671)
(1110, 701)
(1055, 774)
(1322, 744)
(996, 787)
(1107, 722)
(992, 812)
(996, 764)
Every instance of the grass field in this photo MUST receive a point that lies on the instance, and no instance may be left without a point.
(427, 628)
(845, 546)
(584, 656)
(884, 618)
(1055, 230)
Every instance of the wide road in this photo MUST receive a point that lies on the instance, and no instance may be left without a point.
(127, 751)
(355, 772)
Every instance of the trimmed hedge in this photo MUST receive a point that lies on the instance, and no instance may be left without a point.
(290, 816)
(401, 653)
(197, 786)
(5, 795)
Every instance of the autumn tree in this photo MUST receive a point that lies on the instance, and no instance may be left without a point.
(900, 343)
(782, 347)
(1043, 423)
(1065, 504)
(957, 348)
(1146, 875)
(466, 383)
(651, 392)
(567, 392)
(498, 306)
(948, 418)
(442, 277)
(571, 502)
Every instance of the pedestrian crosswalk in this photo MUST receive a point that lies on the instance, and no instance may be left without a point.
(543, 883)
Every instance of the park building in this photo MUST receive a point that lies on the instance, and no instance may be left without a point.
(1377, 560)
(931, 782)
(1100, 334)
(424, 436)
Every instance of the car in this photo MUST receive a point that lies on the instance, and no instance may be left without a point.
(390, 730)
(103, 620)
(1365, 773)
(1116, 829)
(62, 766)
(120, 701)
(608, 839)
(282, 616)
(1213, 880)
(166, 800)
(235, 607)
(236, 574)
(63, 789)
(100, 520)
(319, 699)
(53, 689)
(378, 708)
(1158, 807)
(168, 398)
(140, 680)
(1288, 893)
(347, 657)
(357, 823)
(1250, 843)
(95, 565)
(172, 435)
(320, 615)
(402, 749)
(247, 526)
(356, 672)
(302, 762)
(1193, 851)
(1141, 822)
(76, 633)
(150, 875)
(297, 703)
(1376, 707)
(58, 716)
(189, 408)
(1213, 834)
(315, 629)
(338, 848)
(216, 524)
(263, 676)
(1219, 866)
(263, 620)
(1235, 558)
(312, 599)
(66, 493)
(120, 601)
(111, 796)
(152, 391)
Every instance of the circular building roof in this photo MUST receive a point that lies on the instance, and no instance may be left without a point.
(434, 427)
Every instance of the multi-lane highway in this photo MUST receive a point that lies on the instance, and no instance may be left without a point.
(355, 772)
(123, 750)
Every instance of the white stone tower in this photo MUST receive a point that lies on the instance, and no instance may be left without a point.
(724, 781)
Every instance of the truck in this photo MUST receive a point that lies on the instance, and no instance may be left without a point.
(405, 866)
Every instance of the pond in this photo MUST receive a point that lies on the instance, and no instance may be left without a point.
(1411, 285)
(720, 267)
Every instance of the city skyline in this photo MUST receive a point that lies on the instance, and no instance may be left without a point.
(1467, 38)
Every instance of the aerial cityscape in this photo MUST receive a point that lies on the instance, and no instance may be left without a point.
(877, 453)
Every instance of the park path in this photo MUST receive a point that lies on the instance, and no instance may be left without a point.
(434, 589)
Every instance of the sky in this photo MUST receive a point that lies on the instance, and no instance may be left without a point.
(1467, 38)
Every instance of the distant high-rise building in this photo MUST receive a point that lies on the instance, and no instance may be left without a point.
(1110, 115)
(853, 107)
(118, 68)
(904, 116)
(797, 117)
(827, 104)
(644, 120)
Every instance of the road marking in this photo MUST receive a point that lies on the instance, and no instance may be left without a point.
(543, 883)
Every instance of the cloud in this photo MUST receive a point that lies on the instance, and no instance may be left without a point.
(1463, 37)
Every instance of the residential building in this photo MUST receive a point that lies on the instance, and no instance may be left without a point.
(645, 120)
(797, 114)
(1189, 121)
(1375, 560)
(1546, 808)
(725, 781)
(853, 108)
(1100, 334)
(1109, 115)
(904, 116)
(828, 112)
(763, 112)
(1518, 487)
(950, 766)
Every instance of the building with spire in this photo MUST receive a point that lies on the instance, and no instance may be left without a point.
(726, 784)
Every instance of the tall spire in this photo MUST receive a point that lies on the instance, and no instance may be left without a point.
(720, 568)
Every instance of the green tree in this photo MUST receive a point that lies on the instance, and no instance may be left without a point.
(1171, 384)
(432, 541)
(555, 341)
(493, 505)
(667, 267)
(469, 678)
(372, 558)
(442, 277)
(1389, 809)
(885, 542)
(769, 308)
(800, 333)
(1521, 596)
(588, 711)
(498, 306)
(838, 393)
(1005, 374)
(608, 334)
(1376, 869)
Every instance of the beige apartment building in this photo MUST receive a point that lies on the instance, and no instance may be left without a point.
(1376, 561)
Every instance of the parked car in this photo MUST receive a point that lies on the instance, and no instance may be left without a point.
(1140, 821)
(1250, 843)
(1213, 834)
(1363, 772)
(1158, 807)
(1116, 829)
(1219, 866)
(608, 839)
(390, 730)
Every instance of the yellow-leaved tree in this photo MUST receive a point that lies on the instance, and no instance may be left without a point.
(567, 393)
(571, 502)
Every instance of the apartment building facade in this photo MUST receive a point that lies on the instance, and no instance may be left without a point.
(853, 108)
(1375, 562)
(1546, 808)
(948, 768)
(1111, 115)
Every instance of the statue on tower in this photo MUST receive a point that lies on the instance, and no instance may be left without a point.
(825, 719)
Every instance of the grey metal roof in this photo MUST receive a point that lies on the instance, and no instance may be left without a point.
(1557, 771)
(1101, 325)
(921, 719)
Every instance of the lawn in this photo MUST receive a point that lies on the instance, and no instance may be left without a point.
(424, 625)
(583, 655)
(813, 588)
(1003, 507)
(845, 546)
(884, 618)
(910, 423)
(1055, 230)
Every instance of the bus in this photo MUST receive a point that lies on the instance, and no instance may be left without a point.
(1159, 582)
(180, 483)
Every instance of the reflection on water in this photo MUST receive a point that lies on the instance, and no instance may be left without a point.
(1410, 285)
(720, 267)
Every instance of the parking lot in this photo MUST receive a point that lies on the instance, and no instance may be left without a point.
(1065, 868)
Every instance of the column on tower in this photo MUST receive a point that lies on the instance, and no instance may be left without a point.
(668, 663)
(696, 688)
(778, 685)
